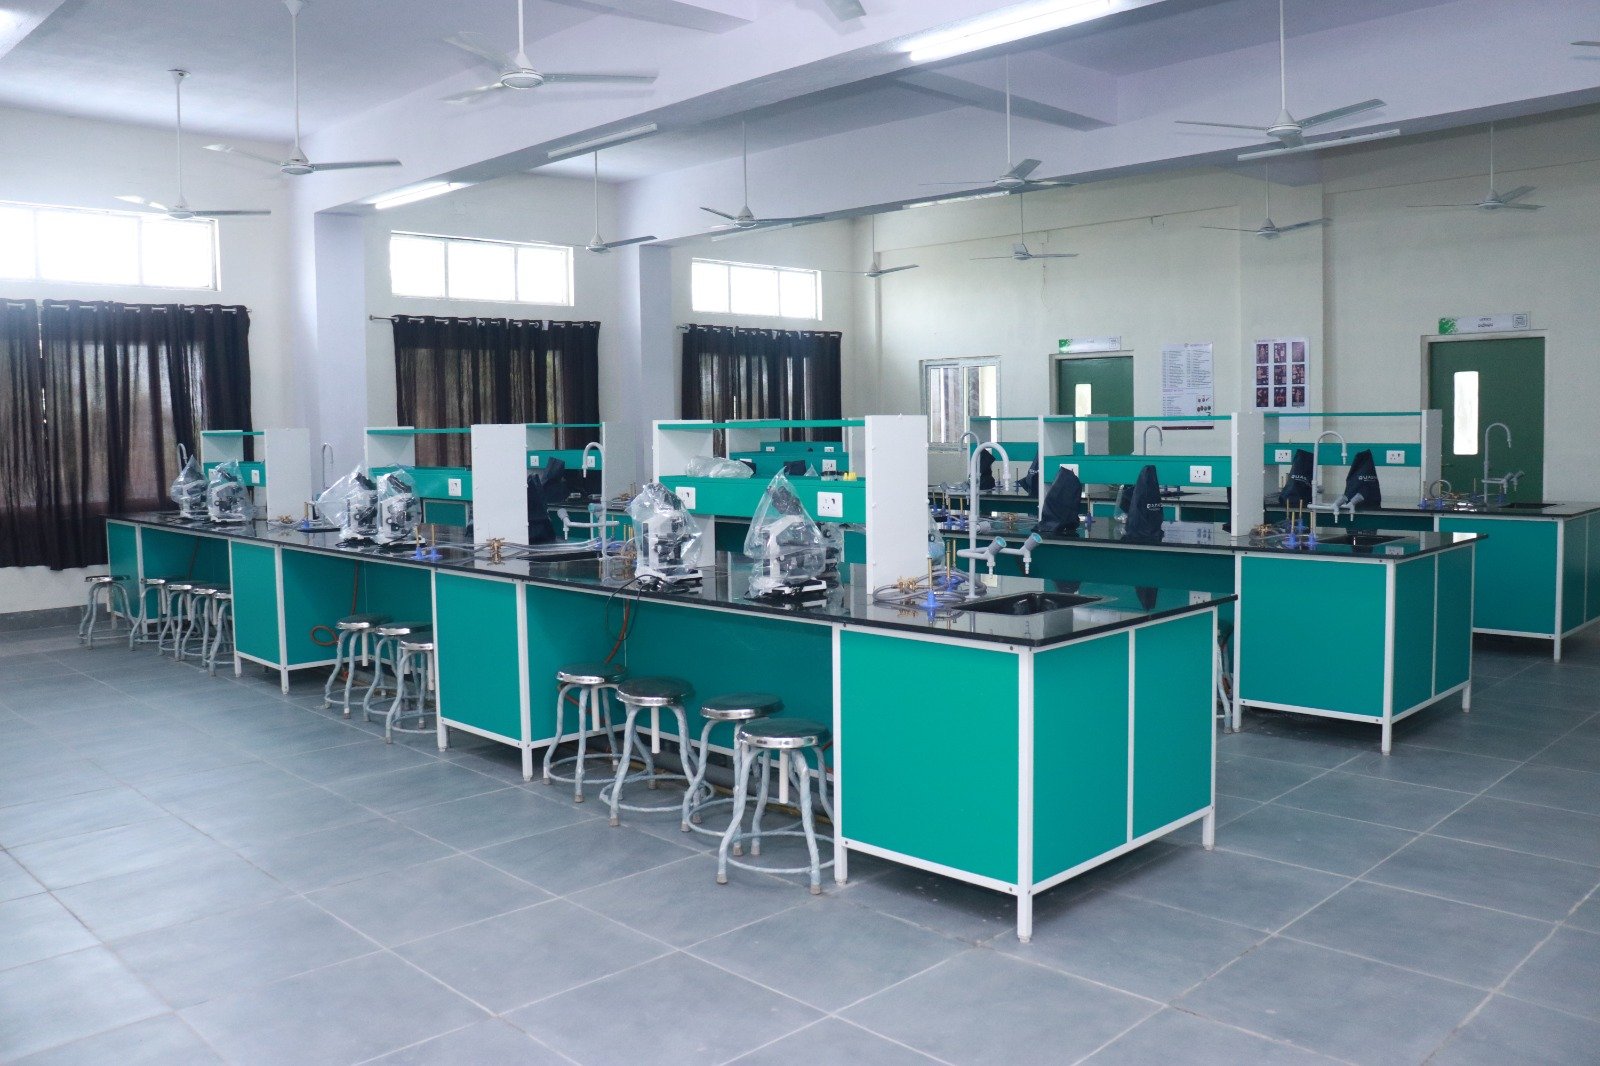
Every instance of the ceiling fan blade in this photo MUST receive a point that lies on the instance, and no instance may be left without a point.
(988, 258)
(1023, 169)
(355, 164)
(721, 214)
(140, 201)
(728, 233)
(1051, 183)
(640, 78)
(1231, 229)
(1587, 44)
(1521, 207)
(896, 270)
(471, 96)
(845, 10)
(225, 214)
(1341, 112)
(791, 220)
(231, 150)
(984, 182)
(1429, 207)
(1317, 146)
(608, 245)
(1303, 225)
(1053, 255)
(1513, 195)
(464, 41)
(1222, 125)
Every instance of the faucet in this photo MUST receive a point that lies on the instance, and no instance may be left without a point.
(1316, 473)
(970, 552)
(1161, 435)
(603, 521)
(1503, 482)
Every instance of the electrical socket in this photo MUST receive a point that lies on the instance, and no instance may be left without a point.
(1283, 455)
(589, 461)
(830, 465)
(830, 505)
(1396, 456)
(1200, 475)
(686, 494)
(453, 486)
(255, 477)
(533, 460)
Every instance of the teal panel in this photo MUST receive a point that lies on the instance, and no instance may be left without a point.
(255, 601)
(122, 559)
(452, 513)
(188, 556)
(404, 593)
(1173, 730)
(1080, 741)
(1332, 454)
(318, 590)
(1593, 570)
(476, 633)
(1574, 564)
(573, 457)
(1414, 602)
(930, 751)
(1170, 469)
(1453, 642)
(433, 482)
(1284, 600)
(1517, 572)
(738, 497)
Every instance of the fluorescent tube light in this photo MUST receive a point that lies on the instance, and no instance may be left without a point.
(1005, 27)
(604, 141)
(1317, 146)
(952, 200)
(426, 191)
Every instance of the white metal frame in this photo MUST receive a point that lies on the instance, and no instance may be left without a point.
(962, 362)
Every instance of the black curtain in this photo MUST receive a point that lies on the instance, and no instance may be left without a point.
(23, 462)
(124, 385)
(459, 372)
(730, 372)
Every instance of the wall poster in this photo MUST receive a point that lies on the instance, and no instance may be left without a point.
(1283, 373)
(1186, 380)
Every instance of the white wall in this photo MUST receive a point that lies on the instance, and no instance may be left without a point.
(49, 159)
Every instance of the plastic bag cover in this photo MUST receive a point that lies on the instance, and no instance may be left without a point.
(188, 489)
(711, 466)
(781, 526)
(658, 513)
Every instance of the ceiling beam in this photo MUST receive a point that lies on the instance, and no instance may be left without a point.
(946, 87)
(711, 16)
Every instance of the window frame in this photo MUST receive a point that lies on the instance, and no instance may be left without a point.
(776, 271)
(961, 363)
(445, 240)
(142, 219)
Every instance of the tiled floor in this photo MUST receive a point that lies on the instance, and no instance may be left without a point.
(197, 870)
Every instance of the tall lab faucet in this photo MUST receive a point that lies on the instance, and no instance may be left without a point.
(1509, 445)
(971, 553)
(1161, 435)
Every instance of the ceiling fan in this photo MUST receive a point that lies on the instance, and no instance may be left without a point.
(1497, 201)
(1019, 250)
(1586, 44)
(746, 220)
(297, 164)
(1018, 175)
(180, 208)
(598, 246)
(877, 270)
(1289, 131)
(516, 72)
(1270, 230)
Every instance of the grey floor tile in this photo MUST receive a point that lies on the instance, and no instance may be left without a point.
(345, 853)
(44, 1004)
(253, 821)
(418, 901)
(982, 1007)
(168, 894)
(517, 958)
(1474, 734)
(1509, 1031)
(224, 786)
(1489, 876)
(581, 856)
(487, 1042)
(1145, 948)
(1393, 803)
(1420, 765)
(1250, 777)
(15, 882)
(682, 904)
(1308, 838)
(834, 1041)
(380, 1004)
(49, 775)
(1455, 941)
(1255, 742)
(37, 927)
(1334, 1003)
(1234, 887)
(734, 1016)
(942, 904)
(866, 952)
(365, 755)
(1552, 786)
(110, 852)
(494, 817)
(1174, 1036)
(51, 819)
(160, 1041)
(238, 950)
(1524, 827)
(417, 786)
(1576, 751)
(1564, 973)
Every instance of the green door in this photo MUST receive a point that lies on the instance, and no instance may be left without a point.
(1099, 386)
(1477, 383)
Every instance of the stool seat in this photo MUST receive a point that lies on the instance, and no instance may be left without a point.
(154, 582)
(785, 734)
(180, 586)
(357, 622)
(402, 629)
(589, 673)
(224, 594)
(422, 640)
(99, 579)
(740, 706)
(660, 691)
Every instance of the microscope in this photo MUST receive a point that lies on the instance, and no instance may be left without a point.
(666, 540)
(227, 496)
(398, 509)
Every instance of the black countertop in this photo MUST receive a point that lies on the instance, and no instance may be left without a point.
(724, 583)
(1213, 498)
(1210, 537)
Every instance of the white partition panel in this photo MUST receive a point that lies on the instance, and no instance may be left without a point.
(500, 482)
(895, 468)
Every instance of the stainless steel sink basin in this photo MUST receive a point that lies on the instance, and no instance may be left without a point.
(1031, 603)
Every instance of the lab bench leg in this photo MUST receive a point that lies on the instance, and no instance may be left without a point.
(1025, 914)
(283, 679)
(1388, 736)
(841, 858)
(1466, 698)
(442, 731)
(1208, 830)
(1556, 651)
(1238, 712)
(527, 762)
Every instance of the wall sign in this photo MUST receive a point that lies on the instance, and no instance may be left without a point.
(1080, 345)
(1484, 323)
(1283, 373)
(1187, 380)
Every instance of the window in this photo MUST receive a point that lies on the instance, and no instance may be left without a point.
(106, 247)
(1465, 434)
(955, 391)
(747, 289)
(463, 268)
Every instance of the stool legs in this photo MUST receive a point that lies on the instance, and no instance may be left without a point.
(383, 649)
(408, 662)
(630, 739)
(594, 713)
(223, 625)
(796, 769)
(91, 610)
(697, 779)
(743, 757)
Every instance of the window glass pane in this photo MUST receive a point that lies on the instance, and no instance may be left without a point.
(708, 287)
(1082, 404)
(481, 271)
(88, 247)
(544, 275)
(986, 391)
(797, 293)
(1465, 435)
(178, 255)
(753, 290)
(16, 242)
(416, 266)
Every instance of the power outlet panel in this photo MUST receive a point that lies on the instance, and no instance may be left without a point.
(255, 477)
(686, 494)
(1395, 456)
(1200, 475)
(1283, 455)
(533, 460)
(589, 461)
(829, 466)
(453, 486)
(830, 505)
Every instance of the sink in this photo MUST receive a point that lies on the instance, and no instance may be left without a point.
(1030, 603)
(1360, 540)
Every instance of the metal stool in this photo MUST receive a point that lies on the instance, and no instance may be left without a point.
(756, 742)
(173, 620)
(354, 629)
(653, 694)
(594, 682)
(735, 707)
(220, 628)
(110, 589)
(197, 609)
(416, 656)
(140, 632)
(386, 652)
